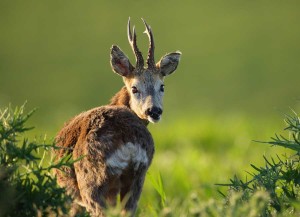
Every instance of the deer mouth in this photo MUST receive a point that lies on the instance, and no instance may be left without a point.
(154, 118)
(154, 114)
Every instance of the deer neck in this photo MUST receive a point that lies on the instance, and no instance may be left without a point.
(122, 98)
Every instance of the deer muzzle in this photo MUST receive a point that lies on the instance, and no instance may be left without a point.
(154, 113)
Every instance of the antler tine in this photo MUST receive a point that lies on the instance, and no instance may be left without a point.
(150, 58)
(132, 41)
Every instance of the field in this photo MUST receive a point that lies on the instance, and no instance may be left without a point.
(238, 76)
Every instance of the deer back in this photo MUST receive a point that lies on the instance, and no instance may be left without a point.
(103, 130)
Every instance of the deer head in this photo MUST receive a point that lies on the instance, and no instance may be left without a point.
(145, 85)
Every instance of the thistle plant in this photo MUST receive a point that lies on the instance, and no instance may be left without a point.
(26, 184)
(280, 176)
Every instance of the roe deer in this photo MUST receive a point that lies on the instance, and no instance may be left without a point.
(114, 139)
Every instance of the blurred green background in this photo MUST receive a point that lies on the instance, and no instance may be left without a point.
(238, 75)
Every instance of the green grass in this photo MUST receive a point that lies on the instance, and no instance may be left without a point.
(194, 154)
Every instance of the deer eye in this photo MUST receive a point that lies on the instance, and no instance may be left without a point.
(134, 90)
(162, 88)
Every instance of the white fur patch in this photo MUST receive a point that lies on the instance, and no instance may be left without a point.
(126, 154)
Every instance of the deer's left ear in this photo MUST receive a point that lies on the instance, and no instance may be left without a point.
(120, 62)
(168, 63)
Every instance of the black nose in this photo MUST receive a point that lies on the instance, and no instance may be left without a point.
(154, 112)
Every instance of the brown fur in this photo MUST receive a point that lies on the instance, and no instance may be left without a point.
(121, 98)
(95, 134)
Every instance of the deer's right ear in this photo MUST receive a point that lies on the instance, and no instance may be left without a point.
(120, 62)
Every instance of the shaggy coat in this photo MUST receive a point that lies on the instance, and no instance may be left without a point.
(99, 134)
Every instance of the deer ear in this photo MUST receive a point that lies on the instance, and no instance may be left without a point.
(169, 63)
(120, 62)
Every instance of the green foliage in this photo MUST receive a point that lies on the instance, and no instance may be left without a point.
(279, 177)
(159, 187)
(26, 184)
(28, 188)
(234, 207)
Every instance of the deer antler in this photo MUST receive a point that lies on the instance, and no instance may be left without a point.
(150, 58)
(132, 41)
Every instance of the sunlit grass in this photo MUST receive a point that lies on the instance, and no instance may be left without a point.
(194, 154)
